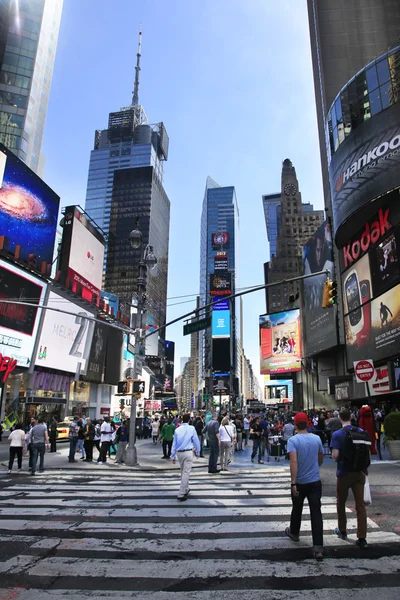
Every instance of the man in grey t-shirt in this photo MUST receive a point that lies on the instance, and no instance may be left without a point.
(212, 430)
(39, 440)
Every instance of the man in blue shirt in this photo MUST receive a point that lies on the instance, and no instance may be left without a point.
(185, 441)
(306, 456)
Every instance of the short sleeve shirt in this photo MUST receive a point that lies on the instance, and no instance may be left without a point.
(337, 443)
(38, 434)
(212, 430)
(307, 446)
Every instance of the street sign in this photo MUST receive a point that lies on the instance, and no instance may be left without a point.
(138, 386)
(364, 370)
(198, 325)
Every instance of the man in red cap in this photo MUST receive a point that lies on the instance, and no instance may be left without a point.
(306, 456)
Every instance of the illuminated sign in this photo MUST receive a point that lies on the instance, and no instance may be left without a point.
(280, 342)
(371, 234)
(220, 304)
(221, 284)
(221, 323)
(221, 262)
(220, 241)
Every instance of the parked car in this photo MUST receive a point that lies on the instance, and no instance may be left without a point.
(63, 430)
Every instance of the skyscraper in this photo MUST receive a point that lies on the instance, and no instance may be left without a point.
(125, 182)
(28, 42)
(219, 249)
(296, 223)
(272, 213)
(345, 36)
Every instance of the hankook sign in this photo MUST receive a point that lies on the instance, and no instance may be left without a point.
(365, 166)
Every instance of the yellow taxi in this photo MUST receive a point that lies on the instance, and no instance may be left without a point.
(62, 430)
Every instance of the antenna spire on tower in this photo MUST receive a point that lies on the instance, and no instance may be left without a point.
(135, 98)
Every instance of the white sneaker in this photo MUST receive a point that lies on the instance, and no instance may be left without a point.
(9, 471)
(19, 470)
(100, 462)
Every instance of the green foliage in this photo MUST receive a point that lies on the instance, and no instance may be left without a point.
(392, 426)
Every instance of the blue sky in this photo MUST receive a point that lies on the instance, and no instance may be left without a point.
(232, 81)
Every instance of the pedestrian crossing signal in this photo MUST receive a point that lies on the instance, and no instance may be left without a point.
(329, 297)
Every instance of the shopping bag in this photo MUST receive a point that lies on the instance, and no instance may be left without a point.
(367, 493)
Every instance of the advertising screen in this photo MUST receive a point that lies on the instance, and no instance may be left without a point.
(385, 266)
(220, 304)
(221, 262)
(18, 323)
(395, 374)
(28, 210)
(373, 330)
(65, 339)
(278, 391)
(95, 367)
(221, 354)
(280, 342)
(220, 241)
(357, 287)
(319, 324)
(82, 252)
(221, 284)
(221, 323)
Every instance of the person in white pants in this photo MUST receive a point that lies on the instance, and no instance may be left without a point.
(185, 443)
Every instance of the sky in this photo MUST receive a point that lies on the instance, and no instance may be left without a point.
(232, 82)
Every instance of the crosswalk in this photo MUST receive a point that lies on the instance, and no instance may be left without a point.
(102, 533)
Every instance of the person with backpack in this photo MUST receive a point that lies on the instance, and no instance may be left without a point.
(351, 449)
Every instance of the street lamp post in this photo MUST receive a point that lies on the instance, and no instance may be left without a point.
(147, 260)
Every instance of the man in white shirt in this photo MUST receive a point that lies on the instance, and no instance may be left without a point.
(246, 430)
(17, 442)
(106, 432)
(185, 442)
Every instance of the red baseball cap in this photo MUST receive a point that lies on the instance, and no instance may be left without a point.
(301, 417)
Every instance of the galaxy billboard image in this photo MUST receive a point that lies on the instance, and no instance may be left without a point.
(28, 210)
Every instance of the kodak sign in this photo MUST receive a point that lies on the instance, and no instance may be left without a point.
(371, 234)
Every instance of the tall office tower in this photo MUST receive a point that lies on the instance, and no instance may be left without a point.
(219, 260)
(298, 222)
(345, 36)
(272, 213)
(125, 181)
(28, 42)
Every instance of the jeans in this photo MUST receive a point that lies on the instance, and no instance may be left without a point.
(72, 447)
(225, 454)
(167, 447)
(246, 434)
(185, 460)
(80, 446)
(15, 451)
(257, 447)
(38, 450)
(120, 458)
(214, 452)
(239, 441)
(311, 491)
(201, 442)
(355, 482)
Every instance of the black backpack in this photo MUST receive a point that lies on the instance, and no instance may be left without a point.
(356, 450)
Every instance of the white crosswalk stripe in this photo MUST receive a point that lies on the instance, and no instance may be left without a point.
(81, 533)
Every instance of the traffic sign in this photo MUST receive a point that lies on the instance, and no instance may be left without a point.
(138, 386)
(198, 325)
(364, 370)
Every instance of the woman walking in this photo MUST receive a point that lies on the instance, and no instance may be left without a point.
(228, 439)
(53, 433)
(17, 443)
(81, 439)
(89, 437)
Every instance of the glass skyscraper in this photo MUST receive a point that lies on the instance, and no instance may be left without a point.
(28, 42)
(272, 213)
(220, 213)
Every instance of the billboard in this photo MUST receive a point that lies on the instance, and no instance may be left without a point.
(221, 261)
(65, 339)
(278, 391)
(220, 241)
(95, 367)
(18, 323)
(280, 342)
(219, 304)
(221, 323)
(28, 209)
(373, 329)
(364, 167)
(319, 324)
(221, 355)
(221, 284)
(82, 253)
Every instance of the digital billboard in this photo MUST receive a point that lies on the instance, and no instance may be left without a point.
(319, 324)
(219, 304)
(65, 340)
(19, 323)
(97, 355)
(221, 355)
(221, 261)
(220, 241)
(82, 253)
(221, 284)
(278, 391)
(221, 323)
(280, 342)
(28, 210)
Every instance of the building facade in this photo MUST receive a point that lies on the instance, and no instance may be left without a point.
(219, 253)
(272, 214)
(29, 34)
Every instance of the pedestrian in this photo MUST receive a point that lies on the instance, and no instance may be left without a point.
(185, 443)
(89, 432)
(199, 426)
(335, 423)
(155, 430)
(246, 430)
(122, 439)
(17, 443)
(113, 447)
(97, 436)
(53, 434)
(73, 438)
(167, 436)
(287, 433)
(81, 439)
(1, 430)
(106, 433)
(351, 448)
(39, 441)
(306, 456)
(256, 432)
(212, 430)
(239, 434)
(227, 439)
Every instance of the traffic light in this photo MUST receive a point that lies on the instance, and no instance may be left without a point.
(138, 386)
(329, 297)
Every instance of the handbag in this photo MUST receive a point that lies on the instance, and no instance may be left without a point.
(231, 438)
(367, 493)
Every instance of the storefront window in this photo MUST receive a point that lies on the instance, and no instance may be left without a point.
(79, 398)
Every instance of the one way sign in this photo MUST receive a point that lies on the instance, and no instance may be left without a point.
(138, 386)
